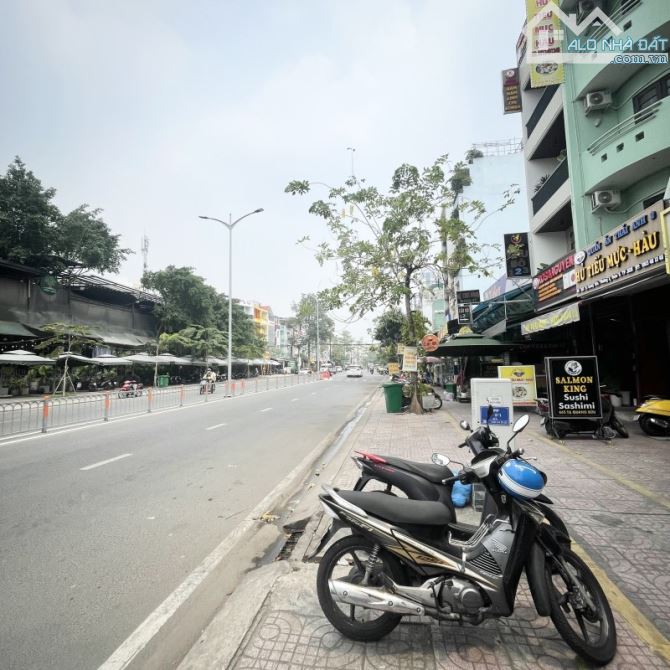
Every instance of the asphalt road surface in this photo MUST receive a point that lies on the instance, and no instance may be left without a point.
(98, 525)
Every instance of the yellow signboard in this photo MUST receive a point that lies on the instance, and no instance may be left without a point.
(393, 368)
(543, 30)
(524, 390)
(409, 359)
(665, 230)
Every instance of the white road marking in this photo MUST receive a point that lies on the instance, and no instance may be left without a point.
(293, 399)
(267, 409)
(218, 425)
(109, 460)
(142, 635)
(313, 393)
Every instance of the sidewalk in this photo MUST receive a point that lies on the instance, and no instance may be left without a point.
(613, 496)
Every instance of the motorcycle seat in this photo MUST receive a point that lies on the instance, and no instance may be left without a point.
(399, 510)
(433, 473)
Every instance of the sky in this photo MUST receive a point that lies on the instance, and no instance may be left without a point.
(158, 111)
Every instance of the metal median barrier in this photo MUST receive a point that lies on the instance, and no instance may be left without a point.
(50, 412)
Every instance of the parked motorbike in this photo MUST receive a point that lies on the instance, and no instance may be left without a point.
(108, 385)
(606, 428)
(653, 416)
(423, 481)
(130, 389)
(206, 386)
(405, 558)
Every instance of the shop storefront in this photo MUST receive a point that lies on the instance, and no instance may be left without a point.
(622, 281)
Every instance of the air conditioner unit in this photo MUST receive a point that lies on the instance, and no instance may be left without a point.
(605, 199)
(585, 7)
(597, 100)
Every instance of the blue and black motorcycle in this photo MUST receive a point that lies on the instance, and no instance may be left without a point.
(407, 557)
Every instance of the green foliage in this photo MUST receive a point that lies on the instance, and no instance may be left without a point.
(33, 231)
(388, 329)
(187, 302)
(384, 240)
(341, 350)
(419, 328)
(206, 341)
(84, 239)
(65, 337)
(185, 298)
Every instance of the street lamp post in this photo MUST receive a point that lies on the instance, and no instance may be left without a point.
(230, 224)
(318, 343)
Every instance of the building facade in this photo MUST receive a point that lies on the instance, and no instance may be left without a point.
(597, 162)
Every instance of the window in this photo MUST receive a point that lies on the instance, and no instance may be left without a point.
(649, 95)
(650, 201)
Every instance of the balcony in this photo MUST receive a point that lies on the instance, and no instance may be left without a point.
(557, 178)
(638, 19)
(540, 108)
(545, 130)
(630, 151)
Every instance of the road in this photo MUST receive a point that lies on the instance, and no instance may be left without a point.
(99, 524)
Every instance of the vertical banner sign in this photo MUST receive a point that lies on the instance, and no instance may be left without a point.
(543, 30)
(409, 359)
(517, 255)
(574, 387)
(511, 91)
(464, 313)
(665, 229)
(522, 377)
(393, 368)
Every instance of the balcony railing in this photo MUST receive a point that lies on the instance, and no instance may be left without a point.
(557, 178)
(624, 8)
(624, 127)
(542, 104)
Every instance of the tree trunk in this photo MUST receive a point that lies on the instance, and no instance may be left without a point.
(415, 405)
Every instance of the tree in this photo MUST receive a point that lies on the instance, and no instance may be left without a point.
(388, 329)
(387, 239)
(33, 231)
(185, 298)
(82, 238)
(305, 320)
(65, 337)
(342, 344)
(206, 341)
(28, 216)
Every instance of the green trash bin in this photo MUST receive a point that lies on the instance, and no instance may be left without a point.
(393, 397)
(450, 388)
(163, 381)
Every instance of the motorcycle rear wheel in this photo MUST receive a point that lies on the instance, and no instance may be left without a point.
(354, 622)
(575, 620)
(650, 428)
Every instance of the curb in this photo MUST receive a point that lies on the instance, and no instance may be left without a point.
(238, 611)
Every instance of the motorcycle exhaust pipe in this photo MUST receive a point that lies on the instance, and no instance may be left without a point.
(372, 598)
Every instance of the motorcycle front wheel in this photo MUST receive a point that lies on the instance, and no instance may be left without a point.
(579, 608)
(437, 403)
(346, 560)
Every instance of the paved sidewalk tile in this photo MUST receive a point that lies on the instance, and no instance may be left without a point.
(621, 530)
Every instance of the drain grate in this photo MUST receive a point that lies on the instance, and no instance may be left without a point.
(289, 545)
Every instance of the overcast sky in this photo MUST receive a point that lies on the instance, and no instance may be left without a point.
(157, 111)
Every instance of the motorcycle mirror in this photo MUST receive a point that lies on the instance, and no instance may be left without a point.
(464, 425)
(520, 423)
(440, 459)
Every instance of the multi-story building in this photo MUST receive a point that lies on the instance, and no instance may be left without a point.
(597, 152)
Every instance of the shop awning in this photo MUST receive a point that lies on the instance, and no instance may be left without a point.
(557, 317)
(14, 329)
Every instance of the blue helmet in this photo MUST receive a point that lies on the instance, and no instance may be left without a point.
(521, 480)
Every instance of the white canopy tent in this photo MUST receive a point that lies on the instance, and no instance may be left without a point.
(21, 357)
